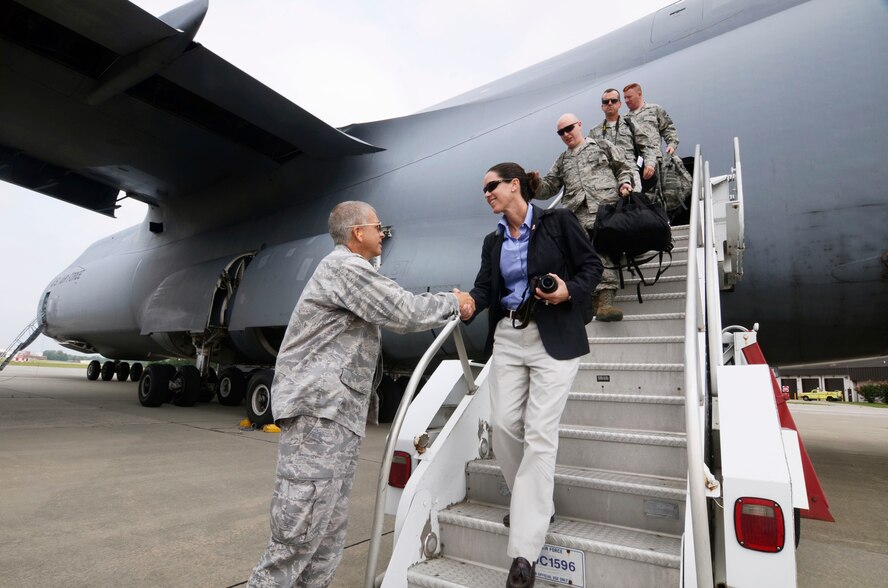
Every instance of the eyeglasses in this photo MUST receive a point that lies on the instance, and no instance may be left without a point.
(377, 226)
(491, 186)
(567, 129)
(605, 101)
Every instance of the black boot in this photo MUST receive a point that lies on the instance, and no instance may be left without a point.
(521, 574)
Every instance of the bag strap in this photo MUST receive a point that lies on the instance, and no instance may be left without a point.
(633, 264)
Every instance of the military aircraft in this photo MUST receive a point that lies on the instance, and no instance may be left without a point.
(101, 97)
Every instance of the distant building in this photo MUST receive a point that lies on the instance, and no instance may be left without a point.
(26, 356)
(844, 376)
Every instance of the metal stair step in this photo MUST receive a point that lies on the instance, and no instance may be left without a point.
(444, 572)
(668, 282)
(668, 349)
(615, 498)
(663, 302)
(639, 325)
(653, 453)
(613, 555)
(640, 412)
(630, 378)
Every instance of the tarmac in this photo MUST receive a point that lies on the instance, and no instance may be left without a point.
(96, 490)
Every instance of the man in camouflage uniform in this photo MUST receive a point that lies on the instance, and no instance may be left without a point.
(652, 120)
(623, 133)
(323, 388)
(592, 171)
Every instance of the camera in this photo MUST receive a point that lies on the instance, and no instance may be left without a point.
(546, 283)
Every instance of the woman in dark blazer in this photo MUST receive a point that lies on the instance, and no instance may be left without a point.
(534, 361)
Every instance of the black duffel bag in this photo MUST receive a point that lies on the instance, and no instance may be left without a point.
(632, 227)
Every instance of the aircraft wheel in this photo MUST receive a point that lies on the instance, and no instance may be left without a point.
(123, 371)
(154, 385)
(231, 386)
(135, 372)
(207, 386)
(259, 398)
(108, 369)
(185, 386)
(93, 370)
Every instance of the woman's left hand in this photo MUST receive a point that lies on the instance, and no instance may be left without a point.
(558, 296)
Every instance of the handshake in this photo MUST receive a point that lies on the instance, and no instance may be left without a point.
(466, 304)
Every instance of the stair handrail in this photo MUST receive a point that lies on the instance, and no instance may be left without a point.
(452, 328)
(25, 338)
(693, 397)
(713, 298)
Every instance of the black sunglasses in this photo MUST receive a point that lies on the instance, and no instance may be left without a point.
(609, 100)
(491, 186)
(567, 129)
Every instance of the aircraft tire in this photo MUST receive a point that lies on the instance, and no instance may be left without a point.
(123, 371)
(259, 398)
(154, 385)
(231, 387)
(93, 370)
(108, 369)
(135, 372)
(186, 386)
(207, 386)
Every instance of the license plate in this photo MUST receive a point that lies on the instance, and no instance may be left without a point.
(561, 566)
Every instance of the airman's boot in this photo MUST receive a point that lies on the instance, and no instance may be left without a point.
(606, 311)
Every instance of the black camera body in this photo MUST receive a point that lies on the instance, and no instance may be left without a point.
(546, 283)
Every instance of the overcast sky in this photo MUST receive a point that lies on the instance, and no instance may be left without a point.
(344, 61)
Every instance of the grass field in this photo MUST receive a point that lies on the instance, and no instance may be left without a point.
(47, 363)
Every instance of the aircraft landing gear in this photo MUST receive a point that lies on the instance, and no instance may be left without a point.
(107, 372)
(123, 371)
(259, 398)
(135, 372)
(154, 385)
(93, 370)
(231, 387)
(186, 386)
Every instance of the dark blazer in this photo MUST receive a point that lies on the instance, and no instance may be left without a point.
(558, 245)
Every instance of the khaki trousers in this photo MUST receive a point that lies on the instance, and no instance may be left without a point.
(528, 391)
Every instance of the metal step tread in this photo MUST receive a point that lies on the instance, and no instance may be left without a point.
(637, 367)
(635, 340)
(631, 398)
(660, 438)
(445, 572)
(626, 483)
(662, 316)
(628, 280)
(652, 548)
(647, 297)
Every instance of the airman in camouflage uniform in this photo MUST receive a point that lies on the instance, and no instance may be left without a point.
(652, 120)
(322, 391)
(622, 133)
(592, 172)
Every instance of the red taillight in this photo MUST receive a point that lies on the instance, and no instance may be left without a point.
(399, 473)
(758, 524)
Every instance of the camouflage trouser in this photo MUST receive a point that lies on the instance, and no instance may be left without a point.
(609, 278)
(309, 507)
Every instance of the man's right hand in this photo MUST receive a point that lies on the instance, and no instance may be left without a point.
(466, 304)
(648, 172)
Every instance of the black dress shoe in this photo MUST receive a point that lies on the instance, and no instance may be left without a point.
(521, 574)
(507, 520)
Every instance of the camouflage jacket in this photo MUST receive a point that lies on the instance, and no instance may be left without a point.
(655, 123)
(590, 176)
(328, 355)
(621, 135)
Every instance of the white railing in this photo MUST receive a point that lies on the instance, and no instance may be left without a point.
(695, 392)
(452, 328)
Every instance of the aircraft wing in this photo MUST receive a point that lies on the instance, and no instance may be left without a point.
(99, 96)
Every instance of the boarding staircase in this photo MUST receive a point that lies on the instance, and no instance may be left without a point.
(622, 503)
(25, 338)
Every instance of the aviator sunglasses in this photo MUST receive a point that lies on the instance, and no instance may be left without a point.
(567, 129)
(491, 186)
